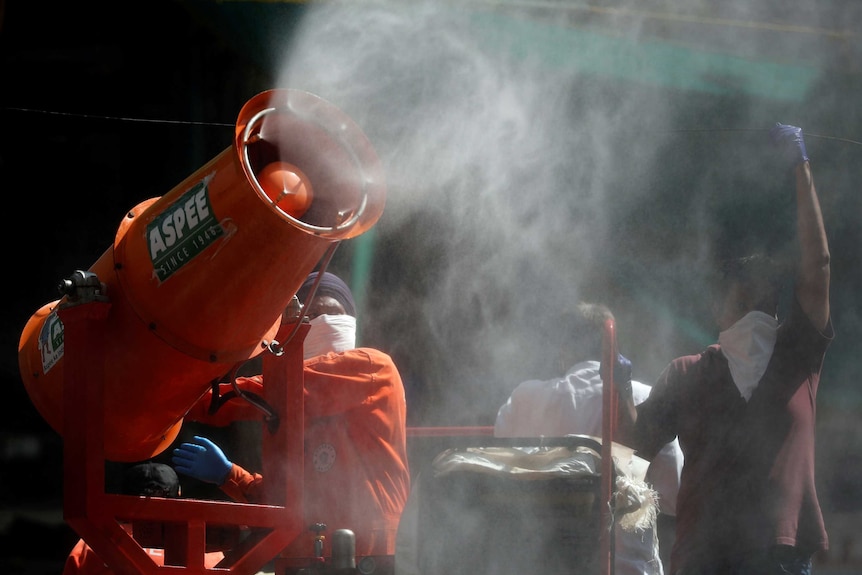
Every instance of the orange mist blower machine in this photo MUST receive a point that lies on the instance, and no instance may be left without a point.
(194, 283)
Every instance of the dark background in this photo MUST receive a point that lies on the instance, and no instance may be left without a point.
(104, 105)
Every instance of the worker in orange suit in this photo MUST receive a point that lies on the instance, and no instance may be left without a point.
(356, 471)
(149, 479)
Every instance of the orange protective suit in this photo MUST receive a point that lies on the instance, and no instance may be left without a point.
(356, 471)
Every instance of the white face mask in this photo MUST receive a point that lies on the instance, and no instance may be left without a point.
(748, 346)
(330, 333)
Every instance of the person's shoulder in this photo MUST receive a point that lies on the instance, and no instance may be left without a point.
(373, 354)
(707, 354)
(693, 363)
(371, 351)
(360, 359)
(534, 385)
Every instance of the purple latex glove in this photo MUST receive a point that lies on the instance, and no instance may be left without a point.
(789, 141)
(202, 460)
(622, 374)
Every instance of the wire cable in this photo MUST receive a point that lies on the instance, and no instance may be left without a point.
(118, 118)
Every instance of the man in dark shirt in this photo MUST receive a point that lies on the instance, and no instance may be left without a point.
(744, 410)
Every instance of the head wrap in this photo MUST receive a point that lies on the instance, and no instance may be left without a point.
(153, 479)
(330, 285)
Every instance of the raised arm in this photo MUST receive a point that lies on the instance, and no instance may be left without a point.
(812, 281)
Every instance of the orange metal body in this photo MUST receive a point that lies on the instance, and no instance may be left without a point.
(198, 278)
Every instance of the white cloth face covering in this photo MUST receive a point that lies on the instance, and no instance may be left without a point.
(330, 333)
(748, 346)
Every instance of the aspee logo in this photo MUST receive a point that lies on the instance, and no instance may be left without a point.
(182, 231)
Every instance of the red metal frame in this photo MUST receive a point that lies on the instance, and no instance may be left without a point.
(97, 516)
(610, 398)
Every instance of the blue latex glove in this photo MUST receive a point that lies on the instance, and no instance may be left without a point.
(789, 141)
(202, 460)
